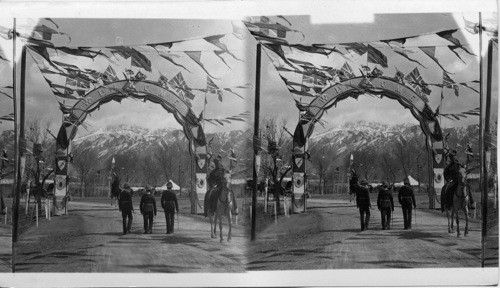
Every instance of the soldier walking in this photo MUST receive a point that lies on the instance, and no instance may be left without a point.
(126, 207)
(406, 198)
(148, 209)
(385, 204)
(363, 202)
(170, 206)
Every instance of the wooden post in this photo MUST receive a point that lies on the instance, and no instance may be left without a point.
(256, 134)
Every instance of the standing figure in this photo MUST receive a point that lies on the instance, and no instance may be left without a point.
(385, 205)
(170, 206)
(148, 208)
(363, 202)
(126, 207)
(406, 198)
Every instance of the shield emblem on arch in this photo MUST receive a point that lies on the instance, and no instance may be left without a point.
(61, 164)
(299, 161)
(201, 162)
(438, 157)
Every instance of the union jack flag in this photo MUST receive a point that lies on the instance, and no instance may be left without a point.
(317, 83)
(109, 75)
(418, 83)
(346, 72)
(180, 87)
(78, 84)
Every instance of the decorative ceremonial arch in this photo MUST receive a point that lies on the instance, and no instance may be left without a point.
(145, 90)
(380, 86)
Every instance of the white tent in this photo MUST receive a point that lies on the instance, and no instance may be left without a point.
(164, 187)
(413, 182)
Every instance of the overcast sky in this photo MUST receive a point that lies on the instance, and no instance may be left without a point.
(336, 27)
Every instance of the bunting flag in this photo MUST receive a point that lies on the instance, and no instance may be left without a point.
(431, 52)
(346, 72)
(231, 91)
(5, 33)
(376, 57)
(8, 117)
(64, 108)
(196, 57)
(461, 115)
(241, 117)
(489, 25)
(171, 60)
(238, 31)
(418, 83)
(5, 94)
(449, 83)
(215, 40)
(404, 52)
(180, 87)
(278, 50)
(42, 51)
(138, 59)
(212, 88)
(448, 35)
(219, 54)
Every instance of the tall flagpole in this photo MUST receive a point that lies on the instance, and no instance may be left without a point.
(484, 194)
(20, 142)
(256, 135)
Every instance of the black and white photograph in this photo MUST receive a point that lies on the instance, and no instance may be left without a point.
(249, 144)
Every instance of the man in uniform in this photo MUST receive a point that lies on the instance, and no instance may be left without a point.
(214, 181)
(126, 207)
(406, 198)
(169, 205)
(453, 177)
(148, 208)
(385, 205)
(363, 202)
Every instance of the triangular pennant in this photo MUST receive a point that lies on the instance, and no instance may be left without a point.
(196, 57)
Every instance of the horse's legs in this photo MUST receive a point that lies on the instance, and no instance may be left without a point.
(220, 227)
(458, 223)
(450, 220)
(213, 225)
(466, 213)
(230, 224)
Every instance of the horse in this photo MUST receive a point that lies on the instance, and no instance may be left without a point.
(224, 206)
(460, 202)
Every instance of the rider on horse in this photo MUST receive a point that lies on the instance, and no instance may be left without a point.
(454, 178)
(216, 182)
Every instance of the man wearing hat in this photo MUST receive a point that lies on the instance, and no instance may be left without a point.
(385, 205)
(363, 202)
(126, 207)
(406, 198)
(170, 206)
(453, 177)
(148, 207)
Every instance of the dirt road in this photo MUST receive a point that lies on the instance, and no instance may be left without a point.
(5, 248)
(90, 239)
(328, 236)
